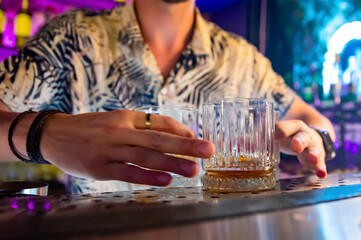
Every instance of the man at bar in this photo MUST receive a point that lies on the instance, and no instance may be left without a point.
(97, 67)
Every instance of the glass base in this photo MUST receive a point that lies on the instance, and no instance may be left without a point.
(180, 181)
(237, 181)
(277, 172)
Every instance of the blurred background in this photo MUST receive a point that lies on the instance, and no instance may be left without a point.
(315, 45)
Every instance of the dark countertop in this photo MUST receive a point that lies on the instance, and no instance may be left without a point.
(145, 214)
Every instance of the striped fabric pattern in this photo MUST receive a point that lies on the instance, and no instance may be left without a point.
(85, 61)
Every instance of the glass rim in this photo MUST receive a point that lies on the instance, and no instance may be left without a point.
(175, 107)
(245, 102)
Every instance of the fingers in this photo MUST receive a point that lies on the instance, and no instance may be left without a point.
(322, 171)
(163, 124)
(317, 161)
(164, 142)
(318, 167)
(285, 129)
(152, 159)
(301, 141)
(307, 143)
(133, 174)
(296, 137)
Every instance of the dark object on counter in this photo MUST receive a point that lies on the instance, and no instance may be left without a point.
(20, 188)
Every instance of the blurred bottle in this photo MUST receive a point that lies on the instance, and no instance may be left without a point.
(9, 37)
(336, 85)
(358, 81)
(11, 8)
(308, 90)
(350, 81)
(23, 24)
(2, 22)
(358, 74)
(297, 82)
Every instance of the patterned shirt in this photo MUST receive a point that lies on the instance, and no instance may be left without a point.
(83, 61)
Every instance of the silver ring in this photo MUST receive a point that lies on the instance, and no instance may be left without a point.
(147, 121)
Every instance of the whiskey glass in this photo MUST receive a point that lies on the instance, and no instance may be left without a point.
(188, 116)
(243, 132)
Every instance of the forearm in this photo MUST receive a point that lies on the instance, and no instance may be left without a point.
(318, 121)
(19, 135)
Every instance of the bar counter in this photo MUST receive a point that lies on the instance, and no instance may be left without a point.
(298, 208)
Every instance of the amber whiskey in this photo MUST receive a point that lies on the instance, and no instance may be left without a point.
(240, 174)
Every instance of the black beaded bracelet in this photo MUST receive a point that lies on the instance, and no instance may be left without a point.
(10, 136)
(34, 137)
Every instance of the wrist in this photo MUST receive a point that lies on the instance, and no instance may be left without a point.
(53, 129)
(328, 144)
(25, 133)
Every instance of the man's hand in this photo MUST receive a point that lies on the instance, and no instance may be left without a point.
(296, 138)
(116, 146)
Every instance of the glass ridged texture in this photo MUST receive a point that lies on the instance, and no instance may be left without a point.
(276, 152)
(188, 116)
(242, 131)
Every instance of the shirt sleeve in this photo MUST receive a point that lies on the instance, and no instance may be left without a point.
(39, 76)
(270, 85)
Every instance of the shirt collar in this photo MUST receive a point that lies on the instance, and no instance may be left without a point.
(131, 34)
(201, 40)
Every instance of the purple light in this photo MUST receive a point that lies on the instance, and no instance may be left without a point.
(47, 206)
(9, 40)
(347, 146)
(350, 166)
(337, 145)
(354, 148)
(14, 204)
(38, 20)
(31, 206)
(7, 52)
(11, 5)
